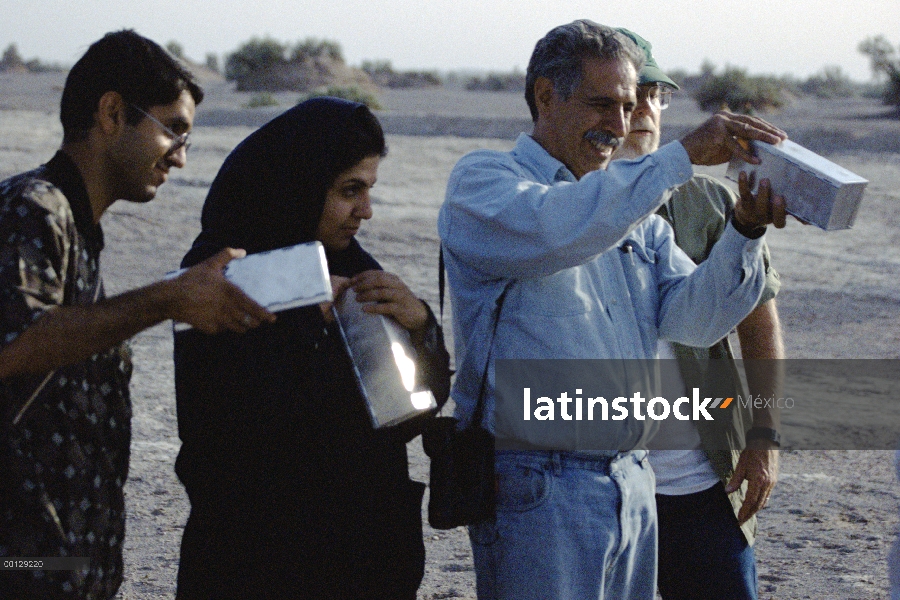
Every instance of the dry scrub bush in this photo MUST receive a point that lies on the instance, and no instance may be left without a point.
(886, 63)
(384, 75)
(267, 65)
(352, 93)
(740, 92)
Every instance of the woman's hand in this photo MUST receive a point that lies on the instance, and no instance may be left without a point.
(385, 294)
(339, 285)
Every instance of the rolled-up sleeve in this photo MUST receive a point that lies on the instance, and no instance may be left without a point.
(724, 289)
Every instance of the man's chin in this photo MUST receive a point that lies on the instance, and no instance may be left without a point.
(598, 159)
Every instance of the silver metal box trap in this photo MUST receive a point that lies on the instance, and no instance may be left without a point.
(279, 279)
(384, 361)
(816, 190)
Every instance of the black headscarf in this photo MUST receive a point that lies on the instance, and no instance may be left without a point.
(270, 192)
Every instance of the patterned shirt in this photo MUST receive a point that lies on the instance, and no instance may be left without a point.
(64, 456)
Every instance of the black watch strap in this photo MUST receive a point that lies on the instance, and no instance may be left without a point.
(764, 433)
(748, 232)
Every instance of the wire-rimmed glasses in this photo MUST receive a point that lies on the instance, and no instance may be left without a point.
(178, 141)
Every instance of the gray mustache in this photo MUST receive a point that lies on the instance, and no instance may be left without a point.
(604, 138)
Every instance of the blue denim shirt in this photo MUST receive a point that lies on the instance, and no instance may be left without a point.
(592, 272)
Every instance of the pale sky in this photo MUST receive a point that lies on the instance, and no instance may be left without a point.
(764, 36)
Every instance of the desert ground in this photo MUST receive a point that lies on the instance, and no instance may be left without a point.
(833, 516)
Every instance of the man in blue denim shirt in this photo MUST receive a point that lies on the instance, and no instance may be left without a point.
(590, 272)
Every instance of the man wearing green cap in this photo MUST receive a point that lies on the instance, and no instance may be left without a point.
(704, 540)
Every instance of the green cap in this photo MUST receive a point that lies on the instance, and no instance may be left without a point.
(651, 73)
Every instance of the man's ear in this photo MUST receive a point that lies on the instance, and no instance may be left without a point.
(544, 95)
(110, 115)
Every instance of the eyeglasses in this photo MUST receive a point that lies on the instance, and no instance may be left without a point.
(656, 95)
(178, 141)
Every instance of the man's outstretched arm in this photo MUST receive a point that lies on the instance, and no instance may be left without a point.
(201, 297)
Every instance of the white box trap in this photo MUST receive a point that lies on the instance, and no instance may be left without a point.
(279, 279)
(384, 361)
(816, 190)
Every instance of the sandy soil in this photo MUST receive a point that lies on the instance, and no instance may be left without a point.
(834, 513)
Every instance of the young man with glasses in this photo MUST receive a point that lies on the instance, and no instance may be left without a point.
(706, 516)
(65, 413)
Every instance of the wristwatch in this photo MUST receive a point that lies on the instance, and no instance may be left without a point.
(748, 232)
(764, 433)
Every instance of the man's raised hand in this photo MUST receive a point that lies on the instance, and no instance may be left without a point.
(716, 140)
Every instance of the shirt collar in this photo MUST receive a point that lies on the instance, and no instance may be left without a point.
(531, 154)
(62, 172)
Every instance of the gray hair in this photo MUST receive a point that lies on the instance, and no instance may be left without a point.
(559, 54)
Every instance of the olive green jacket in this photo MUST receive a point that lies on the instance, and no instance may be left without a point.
(698, 211)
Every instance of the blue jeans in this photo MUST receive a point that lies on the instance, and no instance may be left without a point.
(569, 527)
(702, 551)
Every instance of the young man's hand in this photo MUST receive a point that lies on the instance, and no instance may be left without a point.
(205, 299)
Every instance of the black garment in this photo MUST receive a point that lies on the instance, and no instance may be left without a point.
(703, 553)
(64, 462)
(293, 493)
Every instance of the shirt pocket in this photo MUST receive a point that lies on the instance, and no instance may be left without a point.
(639, 267)
(639, 263)
(565, 293)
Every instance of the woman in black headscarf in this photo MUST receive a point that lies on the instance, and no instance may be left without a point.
(293, 493)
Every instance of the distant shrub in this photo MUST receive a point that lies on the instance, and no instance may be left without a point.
(498, 82)
(690, 83)
(268, 65)
(260, 100)
(885, 63)
(831, 82)
(12, 61)
(175, 49)
(212, 62)
(872, 91)
(384, 75)
(740, 92)
(254, 57)
(311, 48)
(378, 68)
(352, 93)
(37, 66)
